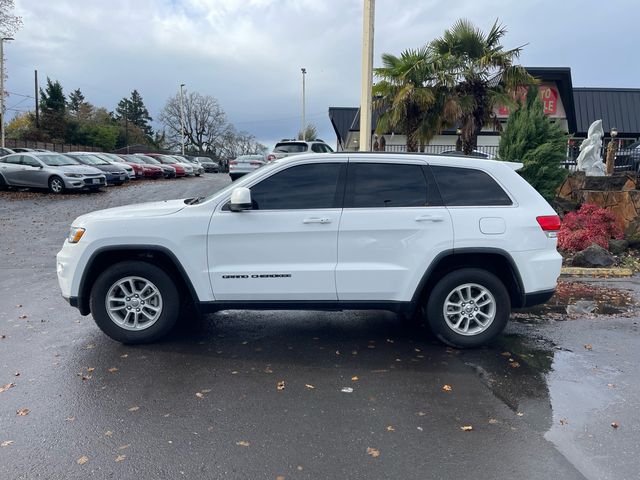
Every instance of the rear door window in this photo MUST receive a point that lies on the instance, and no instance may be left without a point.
(380, 185)
(468, 187)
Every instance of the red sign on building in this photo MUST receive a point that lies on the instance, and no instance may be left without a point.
(548, 95)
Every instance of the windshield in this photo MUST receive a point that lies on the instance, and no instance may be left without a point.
(132, 159)
(167, 159)
(54, 160)
(204, 160)
(290, 147)
(91, 159)
(149, 159)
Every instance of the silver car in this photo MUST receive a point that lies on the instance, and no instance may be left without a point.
(48, 170)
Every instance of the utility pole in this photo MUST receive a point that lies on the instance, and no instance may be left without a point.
(304, 127)
(182, 116)
(367, 75)
(2, 40)
(37, 103)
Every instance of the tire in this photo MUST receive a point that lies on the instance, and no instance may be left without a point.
(56, 185)
(151, 326)
(495, 304)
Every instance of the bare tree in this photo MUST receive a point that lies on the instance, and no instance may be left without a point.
(310, 133)
(239, 143)
(205, 123)
(9, 23)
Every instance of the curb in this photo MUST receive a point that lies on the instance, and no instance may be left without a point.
(597, 272)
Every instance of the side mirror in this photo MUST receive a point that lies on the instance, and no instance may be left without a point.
(240, 200)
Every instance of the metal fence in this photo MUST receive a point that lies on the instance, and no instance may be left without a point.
(54, 147)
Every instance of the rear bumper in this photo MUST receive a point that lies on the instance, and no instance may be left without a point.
(537, 298)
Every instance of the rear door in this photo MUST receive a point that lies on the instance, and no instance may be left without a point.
(393, 225)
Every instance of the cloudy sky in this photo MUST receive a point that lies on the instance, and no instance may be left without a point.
(248, 53)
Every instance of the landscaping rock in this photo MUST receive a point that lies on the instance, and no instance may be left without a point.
(593, 256)
(618, 247)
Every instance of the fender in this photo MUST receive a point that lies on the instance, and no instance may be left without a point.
(476, 251)
(82, 301)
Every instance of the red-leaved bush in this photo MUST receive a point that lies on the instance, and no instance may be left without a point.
(590, 224)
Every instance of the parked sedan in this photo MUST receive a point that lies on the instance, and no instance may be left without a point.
(245, 164)
(168, 170)
(197, 168)
(116, 160)
(115, 174)
(169, 160)
(209, 165)
(5, 151)
(48, 170)
(147, 170)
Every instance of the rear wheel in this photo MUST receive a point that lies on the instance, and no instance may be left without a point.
(56, 185)
(468, 308)
(135, 302)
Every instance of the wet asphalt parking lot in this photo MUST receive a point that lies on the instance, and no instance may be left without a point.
(540, 401)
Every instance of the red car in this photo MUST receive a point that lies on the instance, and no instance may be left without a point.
(180, 171)
(142, 169)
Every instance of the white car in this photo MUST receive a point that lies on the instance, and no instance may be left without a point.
(245, 164)
(458, 241)
(286, 148)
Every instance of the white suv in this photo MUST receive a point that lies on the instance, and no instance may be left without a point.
(457, 240)
(288, 148)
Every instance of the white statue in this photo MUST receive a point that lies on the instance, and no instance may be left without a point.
(589, 160)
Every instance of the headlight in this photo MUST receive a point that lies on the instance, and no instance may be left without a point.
(73, 175)
(75, 234)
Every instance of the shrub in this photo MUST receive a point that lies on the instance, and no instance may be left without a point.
(590, 224)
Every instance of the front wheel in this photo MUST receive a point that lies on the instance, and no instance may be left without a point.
(135, 302)
(468, 308)
(56, 185)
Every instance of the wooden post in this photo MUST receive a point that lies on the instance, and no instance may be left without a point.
(611, 155)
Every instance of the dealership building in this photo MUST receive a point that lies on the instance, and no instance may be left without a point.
(573, 108)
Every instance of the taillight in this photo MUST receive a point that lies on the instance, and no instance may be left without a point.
(271, 157)
(233, 163)
(550, 224)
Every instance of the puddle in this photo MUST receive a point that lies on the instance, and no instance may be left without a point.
(598, 299)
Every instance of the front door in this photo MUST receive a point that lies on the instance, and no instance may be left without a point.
(393, 226)
(285, 248)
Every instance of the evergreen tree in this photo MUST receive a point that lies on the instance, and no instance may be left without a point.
(75, 102)
(134, 111)
(532, 138)
(53, 107)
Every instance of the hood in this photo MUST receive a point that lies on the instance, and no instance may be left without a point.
(150, 209)
(109, 168)
(82, 169)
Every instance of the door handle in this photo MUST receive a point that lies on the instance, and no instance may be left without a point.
(429, 218)
(316, 220)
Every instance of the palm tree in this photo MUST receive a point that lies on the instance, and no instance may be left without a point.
(484, 75)
(411, 97)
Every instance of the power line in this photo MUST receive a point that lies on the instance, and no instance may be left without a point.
(21, 95)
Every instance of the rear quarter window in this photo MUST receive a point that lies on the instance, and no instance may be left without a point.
(468, 187)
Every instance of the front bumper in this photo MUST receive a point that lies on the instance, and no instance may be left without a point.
(72, 183)
(116, 178)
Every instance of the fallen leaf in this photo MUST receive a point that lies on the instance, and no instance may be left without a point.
(70, 419)
(90, 346)
(506, 354)
(493, 421)
(19, 305)
(90, 369)
(6, 387)
(421, 414)
(280, 385)
(3, 336)
(614, 424)
(373, 452)
(124, 355)
(108, 433)
(82, 460)
(588, 346)
(520, 414)
(280, 477)
(6, 443)
(135, 408)
(390, 428)
(354, 379)
(466, 428)
(22, 317)
(120, 458)
(242, 443)
(199, 395)
(268, 370)
(514, 364)
(420, 428)
(124, 447)
(564, 421)
(611, 385)
(447, 388)
(23, 412)
(112, 370)
(309, 386)
(347, 390)
(17, 374)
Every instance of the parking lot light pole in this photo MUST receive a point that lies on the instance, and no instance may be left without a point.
(367, 75)
(303, 130)
(2, 40)
(182, 117)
